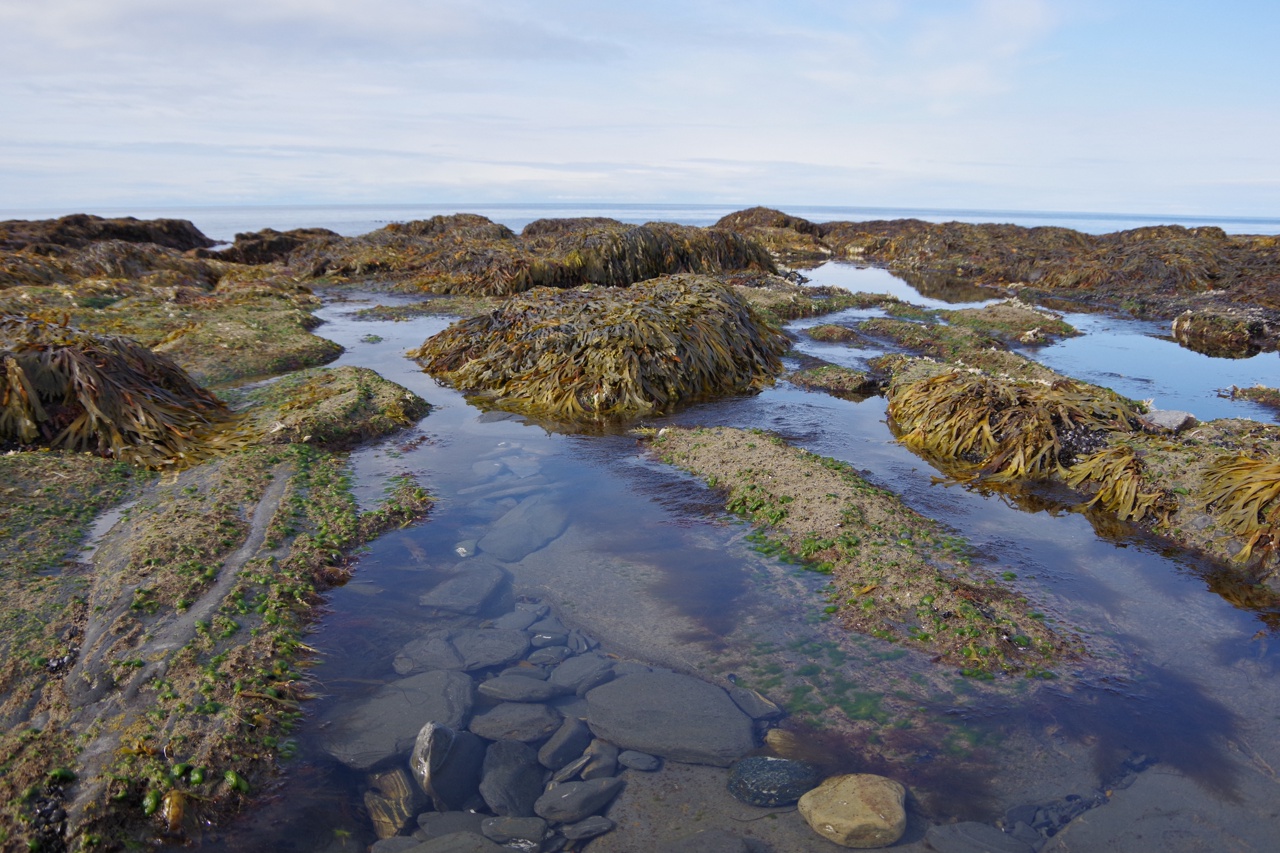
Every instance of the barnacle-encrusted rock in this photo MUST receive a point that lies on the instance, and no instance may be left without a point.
(601, 352)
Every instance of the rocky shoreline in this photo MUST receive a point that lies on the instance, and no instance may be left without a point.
(155, 684)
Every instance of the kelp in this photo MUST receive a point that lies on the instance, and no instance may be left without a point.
(991, 428)
(590, 353)
(65, 388)
(1246, 494)
(1118, 474)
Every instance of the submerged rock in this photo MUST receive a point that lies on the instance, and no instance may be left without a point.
(857, 810)
(447, 765)
(531, 525)
(473, 586)
(573, 801)
(766, 781)
(386, 724)
(671, 715)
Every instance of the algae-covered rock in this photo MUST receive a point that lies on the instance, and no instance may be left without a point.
(1228, 331)
(80, 229)
(596, 352)
(469, 254)
(66, 388)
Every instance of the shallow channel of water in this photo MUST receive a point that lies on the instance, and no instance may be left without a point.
(1183, 685)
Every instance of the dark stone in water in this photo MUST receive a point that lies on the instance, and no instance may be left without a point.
(639, 760)
(384, 726)
(589, 828)
(550, 655)
(511, 780)
(602, 760)
(765, 781)
(531, 525)
(573, 801)
(581, 673)
(671, 715)
(473, 586)
(522, 721)
(565, 745)
(447, 766)
(465, 649)
(518, 688)
(520, 833)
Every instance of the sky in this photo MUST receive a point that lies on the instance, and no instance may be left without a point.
(1140, 106)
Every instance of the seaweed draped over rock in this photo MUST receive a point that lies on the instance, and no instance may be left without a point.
(66, 388)
(601, 352)
(471, 255)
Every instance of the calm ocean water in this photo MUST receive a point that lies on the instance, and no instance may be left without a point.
(223, 223)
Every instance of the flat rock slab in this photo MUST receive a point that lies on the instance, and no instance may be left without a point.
(519, 688)
(529, 526)
(671, 715)
(472, 587)
(385, 725)
(522, 721)
(463, 649)
(574, 801)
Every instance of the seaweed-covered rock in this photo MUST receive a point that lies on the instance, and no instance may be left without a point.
(81, 229)
(63, 387)
(595, 353)
(469, 254)
(1228, 331)
(269, 245)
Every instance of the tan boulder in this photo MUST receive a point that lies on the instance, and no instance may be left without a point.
(857, 810)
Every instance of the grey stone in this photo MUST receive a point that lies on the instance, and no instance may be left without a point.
(973, 837)
(708, 841)
(532, 524)
(385, 725)
(543, 640)
(460, 842)
(639, 760)
(1167, 420)
(578, 672)
(580, 642)
(522, 721)
(570, 706)
(549, 625)
(673, 716)
(463, 649)
(518, 688)
(436, 824)
(472, 587)
(589, 828)
(572, 769)
(573, 801)
(766, 781)
(511, 779)
(602, 760)
(516, 619)
(447, 766)
(550, 655)
(755, 705)
(506, 830)
(568, 743)
(524, 669)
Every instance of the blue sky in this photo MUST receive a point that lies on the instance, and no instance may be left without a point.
(1097, 105)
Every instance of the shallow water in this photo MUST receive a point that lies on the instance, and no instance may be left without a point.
(650, 568)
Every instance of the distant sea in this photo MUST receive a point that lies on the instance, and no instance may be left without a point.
(222, 223)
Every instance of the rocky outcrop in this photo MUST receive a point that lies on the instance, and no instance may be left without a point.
(81, 229)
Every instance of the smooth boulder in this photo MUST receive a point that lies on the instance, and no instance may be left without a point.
(857, 810)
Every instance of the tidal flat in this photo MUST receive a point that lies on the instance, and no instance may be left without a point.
(184, 679)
